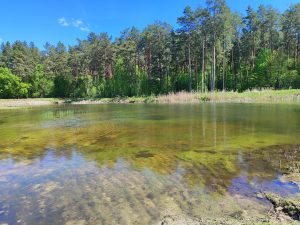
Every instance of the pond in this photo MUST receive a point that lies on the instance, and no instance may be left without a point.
(135, 164)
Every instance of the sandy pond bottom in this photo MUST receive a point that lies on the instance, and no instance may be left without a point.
(144, 164)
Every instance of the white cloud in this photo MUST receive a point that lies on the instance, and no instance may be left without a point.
(1, 40)
(77, 23)
(63, 22)
(80, 25)
(85, 29)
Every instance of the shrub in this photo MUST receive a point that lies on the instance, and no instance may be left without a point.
(11, 86)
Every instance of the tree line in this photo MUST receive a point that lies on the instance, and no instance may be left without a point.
(212, 49)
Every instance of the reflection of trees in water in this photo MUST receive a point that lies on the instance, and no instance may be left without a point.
(213, 170)
(162, 153)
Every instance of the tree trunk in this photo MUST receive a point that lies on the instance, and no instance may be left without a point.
(233, 69)
(223, 72)
(214, 64)
(196, 73)
(190, 66)
(203, 65)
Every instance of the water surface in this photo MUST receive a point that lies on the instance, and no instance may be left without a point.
(134, 164)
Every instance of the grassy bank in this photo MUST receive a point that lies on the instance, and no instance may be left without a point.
(266, 96)
(7, 103)
(247, 97)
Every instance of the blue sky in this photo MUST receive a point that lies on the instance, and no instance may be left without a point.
(66, 20)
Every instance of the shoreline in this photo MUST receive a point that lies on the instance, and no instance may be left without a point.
(267, 96)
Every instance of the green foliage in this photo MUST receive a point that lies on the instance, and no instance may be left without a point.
(11, 85)
(119, 85)
(290, 79)
(63, 86)
(213, 49)
(41, 85)
(181, 83)
(84, 87)
(142, 84)
(261, 72)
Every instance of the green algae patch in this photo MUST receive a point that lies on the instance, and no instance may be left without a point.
(143, 164)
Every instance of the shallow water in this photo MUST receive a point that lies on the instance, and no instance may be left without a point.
(134, 164)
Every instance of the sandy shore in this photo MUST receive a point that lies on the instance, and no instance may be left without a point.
(7, 103)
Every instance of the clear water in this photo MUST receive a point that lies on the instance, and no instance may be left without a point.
(134, 164)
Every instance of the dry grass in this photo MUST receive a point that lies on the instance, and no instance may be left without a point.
(180, 97)
(7, 103)
(255, 96)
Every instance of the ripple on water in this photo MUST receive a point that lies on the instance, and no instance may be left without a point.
(69, 167)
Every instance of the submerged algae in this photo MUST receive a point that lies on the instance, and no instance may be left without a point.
(136, 164)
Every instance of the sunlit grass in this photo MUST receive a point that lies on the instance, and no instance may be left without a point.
(263, 96)
(8, 103)
(253, 96)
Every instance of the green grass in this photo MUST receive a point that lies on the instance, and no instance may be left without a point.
(264, 96)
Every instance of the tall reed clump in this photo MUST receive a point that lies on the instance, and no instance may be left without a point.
(180, 97)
